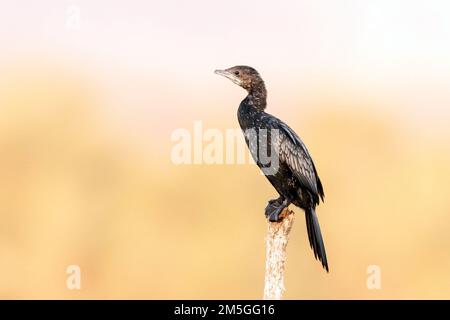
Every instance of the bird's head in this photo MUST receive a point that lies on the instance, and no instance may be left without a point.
(244, 76)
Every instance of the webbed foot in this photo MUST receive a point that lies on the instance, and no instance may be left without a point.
(274, 208)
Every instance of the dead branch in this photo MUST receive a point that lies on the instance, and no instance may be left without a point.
(276, 242)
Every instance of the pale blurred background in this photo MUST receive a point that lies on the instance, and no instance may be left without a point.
(91, 92)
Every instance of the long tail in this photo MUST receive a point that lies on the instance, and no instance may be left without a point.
(315, 236)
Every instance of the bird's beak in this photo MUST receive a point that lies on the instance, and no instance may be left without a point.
(220, 72)
(224, 73)
(228, 75)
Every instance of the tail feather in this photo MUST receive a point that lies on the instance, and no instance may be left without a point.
(315, 237)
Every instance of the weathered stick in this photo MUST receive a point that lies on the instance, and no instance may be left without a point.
(276, 242)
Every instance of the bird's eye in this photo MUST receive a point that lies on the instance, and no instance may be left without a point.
(236, 73)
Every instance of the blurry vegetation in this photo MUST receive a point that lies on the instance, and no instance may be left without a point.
(73, 191)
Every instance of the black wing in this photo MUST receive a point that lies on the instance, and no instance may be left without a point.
(294, 153)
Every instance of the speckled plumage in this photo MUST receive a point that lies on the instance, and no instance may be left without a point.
(296, 179)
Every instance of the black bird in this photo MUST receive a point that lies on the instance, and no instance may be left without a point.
(295, 178)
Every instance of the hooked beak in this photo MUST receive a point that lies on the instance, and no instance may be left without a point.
(228, 75)
(221, 72)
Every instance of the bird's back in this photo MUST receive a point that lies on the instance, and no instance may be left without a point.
(296, 168)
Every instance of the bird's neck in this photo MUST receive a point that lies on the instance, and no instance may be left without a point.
(257, 95)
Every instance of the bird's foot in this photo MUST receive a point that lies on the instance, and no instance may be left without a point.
(272, 205)
(274, 208)
(277, 201)
(274, 214)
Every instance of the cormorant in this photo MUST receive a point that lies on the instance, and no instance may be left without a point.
(295, 179)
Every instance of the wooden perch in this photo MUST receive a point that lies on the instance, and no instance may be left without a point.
(276, 242)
